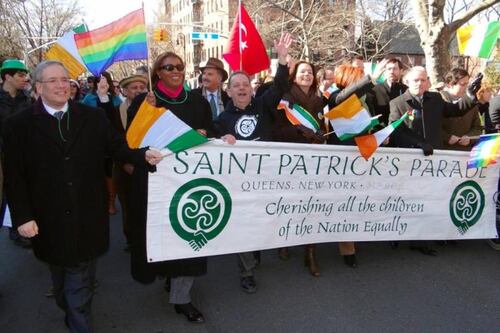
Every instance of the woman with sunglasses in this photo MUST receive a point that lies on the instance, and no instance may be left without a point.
(193, 109)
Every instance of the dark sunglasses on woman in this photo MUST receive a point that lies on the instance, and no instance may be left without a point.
(170, 67)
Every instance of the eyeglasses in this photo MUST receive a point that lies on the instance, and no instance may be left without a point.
(53, 82)
(170, 67)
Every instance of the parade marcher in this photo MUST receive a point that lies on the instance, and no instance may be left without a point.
(351, 80)
(100, 98)
(391, 88)
(193, 109)
(326, 77)
(424, 128)
(251, 118)
(303, 91)
(75, 91)
(55, 182)
(13, 98)
(213, 76)
(458, 131)
(132, 86)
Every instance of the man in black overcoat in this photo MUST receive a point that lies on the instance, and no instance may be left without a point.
(54, 174)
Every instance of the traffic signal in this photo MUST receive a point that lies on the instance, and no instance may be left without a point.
(160, 35)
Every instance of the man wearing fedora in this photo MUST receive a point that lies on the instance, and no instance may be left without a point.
(213, 75)
(13, 98)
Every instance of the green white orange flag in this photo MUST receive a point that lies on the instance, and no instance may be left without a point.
(297, 115)
(64, 50)
(368, 144)
(478, 40)
(350, 118)
(159, 128)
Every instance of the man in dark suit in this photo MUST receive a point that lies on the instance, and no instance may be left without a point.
(423, 129)
(54, 174)
(391, 88)
(213, 76)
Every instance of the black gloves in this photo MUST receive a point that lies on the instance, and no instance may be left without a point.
(316, 137)
(426, 148)
(475, 85)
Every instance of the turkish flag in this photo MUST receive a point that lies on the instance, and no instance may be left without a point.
(249, 54)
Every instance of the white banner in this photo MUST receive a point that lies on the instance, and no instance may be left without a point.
(216, 198)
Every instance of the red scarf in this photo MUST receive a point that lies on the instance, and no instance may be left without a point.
(172, 93)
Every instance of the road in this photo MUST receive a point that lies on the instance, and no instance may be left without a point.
(391, 291)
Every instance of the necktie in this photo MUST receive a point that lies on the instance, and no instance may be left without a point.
(213, 106)
(59, 115)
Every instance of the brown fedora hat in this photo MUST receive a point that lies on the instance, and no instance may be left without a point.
(214, 63)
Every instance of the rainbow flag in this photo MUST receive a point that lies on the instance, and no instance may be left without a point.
(350, 118)
(297, 115)
(124, 39)
(159, 128)
(478, 40)
(485, 152)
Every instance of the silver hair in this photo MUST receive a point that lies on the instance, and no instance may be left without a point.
(38, 72)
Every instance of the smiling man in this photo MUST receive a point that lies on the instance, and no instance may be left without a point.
(213, 75)
(54, 174)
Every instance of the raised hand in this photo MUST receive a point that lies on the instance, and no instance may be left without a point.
(379, 69)
(282, 47)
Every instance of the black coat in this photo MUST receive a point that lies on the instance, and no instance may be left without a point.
(195, 112)
(60, 184)
(10, 105)
(427, 123)
(382, 94)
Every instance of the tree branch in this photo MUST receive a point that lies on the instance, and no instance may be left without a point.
(466, 16)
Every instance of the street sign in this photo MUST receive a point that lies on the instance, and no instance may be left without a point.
(204, 35)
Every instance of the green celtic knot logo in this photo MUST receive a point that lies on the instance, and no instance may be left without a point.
(466, 205)
(199, 211)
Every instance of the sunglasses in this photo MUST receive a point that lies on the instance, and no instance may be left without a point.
(170, 67)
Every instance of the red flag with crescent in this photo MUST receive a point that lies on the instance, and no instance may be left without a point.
(249, 53)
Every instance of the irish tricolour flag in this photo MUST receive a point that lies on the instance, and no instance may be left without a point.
(368, 144)
(160, 128)
(478, 40)
(297, 115)
(350, 118)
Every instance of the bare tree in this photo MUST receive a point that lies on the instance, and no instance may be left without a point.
(28, 24)
(436, 34)
(321, 28)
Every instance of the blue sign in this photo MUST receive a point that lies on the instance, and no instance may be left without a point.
(204, 35)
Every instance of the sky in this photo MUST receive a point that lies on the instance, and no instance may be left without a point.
(98, 13)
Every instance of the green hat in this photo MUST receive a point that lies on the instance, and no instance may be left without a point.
(13, 64)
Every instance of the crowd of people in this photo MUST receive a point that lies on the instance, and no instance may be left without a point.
(65, 158)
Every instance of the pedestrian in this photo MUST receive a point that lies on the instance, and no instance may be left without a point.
(168, 75)
(213, 75)
(423, 129)
(252, 118)
(13, 98)
(303, 92)
(54, 152)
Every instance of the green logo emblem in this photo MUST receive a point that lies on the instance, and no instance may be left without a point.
(199, 211)
(466, 205)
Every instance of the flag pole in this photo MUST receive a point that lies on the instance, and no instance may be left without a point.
(147, 47)
(239, 32)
